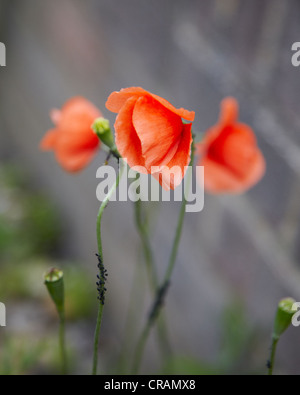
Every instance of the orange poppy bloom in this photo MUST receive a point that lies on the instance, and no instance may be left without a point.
(72, 139)
(229, 153)
(150, 134)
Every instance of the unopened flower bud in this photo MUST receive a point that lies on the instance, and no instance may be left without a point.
(101, 128)
(283, 317)
(54, 281)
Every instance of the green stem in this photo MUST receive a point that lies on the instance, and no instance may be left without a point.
(142, 228)
(272, 355)
(96, 340)
(162, 291)
(140, 348)
(129, 334)
(100, 253)
(147, 251)
(62, 343)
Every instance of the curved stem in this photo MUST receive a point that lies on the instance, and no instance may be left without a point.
(141, 225)
(135, 305)
(100, 254)
(62, 343)
(139, 351)
(162, 291)
(147, 251)
(272, 355)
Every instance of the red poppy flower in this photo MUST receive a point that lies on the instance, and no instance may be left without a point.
(150, 133)
(229, 153)
(72, 139)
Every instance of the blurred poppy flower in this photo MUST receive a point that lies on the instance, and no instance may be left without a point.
(73, 140)
(229, 152)
(150, 134)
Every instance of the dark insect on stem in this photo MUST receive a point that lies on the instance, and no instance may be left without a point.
(159, 302)
(102, 277)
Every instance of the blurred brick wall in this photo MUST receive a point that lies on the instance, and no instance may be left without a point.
(194, 53)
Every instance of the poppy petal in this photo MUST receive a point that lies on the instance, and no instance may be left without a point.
(219, 179)
(239, 148)
(80, 104)
(127, 140)
(234, 147)
(49, 140)
(229, 111)
(74, 162)
(77, 117)
(229, 152)
(73, 140)
(210, 136)
(185, 114)
(85, 140)
(258, 170)
(179, 162)
(158, 130)
(55, 116)
(116, 100)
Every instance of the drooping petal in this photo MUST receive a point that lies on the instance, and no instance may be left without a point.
(210, 136)
(74, 161)
(179, 162)
(49, 140)
(229, 152)
(220, 179)
(239, 149)
(127, 140)
(158, 130)
(258, 169)
(234, 147)
(55, 116)
(117, 99)
(78, 114)
(85, 140)
(185, 114)
(229, 111)
(73, 140)
(79, 104)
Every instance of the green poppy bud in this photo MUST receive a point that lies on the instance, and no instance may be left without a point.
(284, 315)
(54, 281)
(101, 128)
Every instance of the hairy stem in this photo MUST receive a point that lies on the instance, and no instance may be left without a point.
(147, 251)
(62, 343)
(100, 258)
(272, 355)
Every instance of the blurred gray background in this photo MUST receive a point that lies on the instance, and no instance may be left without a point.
(194, 53)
